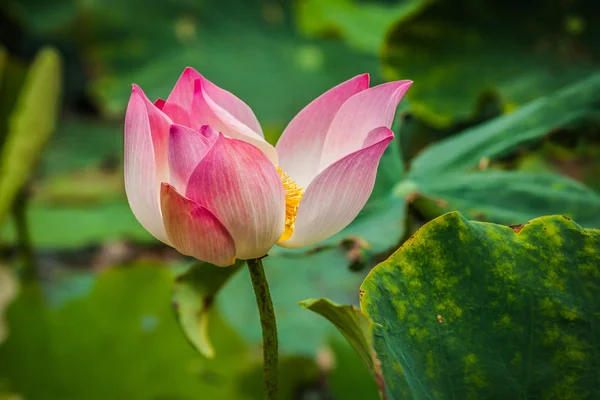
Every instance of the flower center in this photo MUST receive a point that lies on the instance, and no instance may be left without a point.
(293, 195)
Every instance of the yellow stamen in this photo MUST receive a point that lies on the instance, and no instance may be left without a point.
(293, 195)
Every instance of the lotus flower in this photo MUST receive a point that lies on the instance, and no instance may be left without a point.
(201, 178)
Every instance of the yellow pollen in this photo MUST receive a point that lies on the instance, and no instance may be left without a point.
(293, 195)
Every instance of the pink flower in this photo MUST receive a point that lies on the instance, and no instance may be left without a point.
(201, 178)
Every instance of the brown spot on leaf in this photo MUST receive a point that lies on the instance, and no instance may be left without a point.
(517, 228)
(378, 372)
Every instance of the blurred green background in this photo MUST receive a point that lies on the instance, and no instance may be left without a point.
(502, 124)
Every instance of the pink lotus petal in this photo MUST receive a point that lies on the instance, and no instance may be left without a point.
(146, 164)
(301, 144)
(362, 113)
(159, 103)
(179, 103)
(336, 196)
(209, 133)
(231, 105)
(238, 183)
(193, 230)
(186, 149)
(207, 111)
(159, 129)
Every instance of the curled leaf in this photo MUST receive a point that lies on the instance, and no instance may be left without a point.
(193, 299)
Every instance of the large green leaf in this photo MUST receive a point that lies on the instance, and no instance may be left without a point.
(460, 51)
(362, 25)
(454, 172)
(30, 125)
(477, 310)
(574, 106)
(119, 341)
(248, 47)
(512, 197)
(577, 158)
(502, 312)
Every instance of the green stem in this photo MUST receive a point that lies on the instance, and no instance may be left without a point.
(269, 326)
(24, 247)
